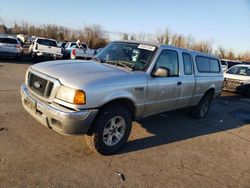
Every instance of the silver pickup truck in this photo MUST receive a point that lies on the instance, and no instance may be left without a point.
(73, 51)
(126, 81)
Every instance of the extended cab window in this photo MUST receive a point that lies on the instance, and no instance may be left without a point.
(208, 65)
(214, 65)
(169, 61)
(187, 63)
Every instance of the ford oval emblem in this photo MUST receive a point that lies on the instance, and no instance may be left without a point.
(37, 84)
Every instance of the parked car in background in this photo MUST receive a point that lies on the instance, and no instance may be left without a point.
(72, 50)
(237, 79)
(62, 44)
(30, 39)
(126, 81)
(42, 47)
(229, 63)
(98, 50)
(246, 62)
(224, 65)
(10, 47)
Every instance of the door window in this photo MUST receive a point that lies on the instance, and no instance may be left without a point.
(169, 61)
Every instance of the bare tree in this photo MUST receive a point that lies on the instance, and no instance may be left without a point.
(178, 40)
(125, 36)
(163, 37)
(203, 46)
(3, 29)
(167, 36)
(141, 36)
(95, 36)
(160, 38)
(132, 37)
(230, 54)
(221, 52)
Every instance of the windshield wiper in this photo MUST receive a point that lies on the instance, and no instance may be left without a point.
(120, 63)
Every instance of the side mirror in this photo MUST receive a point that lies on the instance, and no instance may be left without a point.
(161, 72)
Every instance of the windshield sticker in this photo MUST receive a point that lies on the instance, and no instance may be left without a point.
(146, 47)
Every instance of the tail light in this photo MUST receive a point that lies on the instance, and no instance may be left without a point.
(74, 52)
(18, 46)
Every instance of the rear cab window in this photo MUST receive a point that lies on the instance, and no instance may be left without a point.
(8, 41)
(47, 42)
(207, 64)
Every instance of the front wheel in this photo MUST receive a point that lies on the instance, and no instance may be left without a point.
(111, 130)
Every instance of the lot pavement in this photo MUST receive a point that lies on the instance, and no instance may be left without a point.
(167, 150)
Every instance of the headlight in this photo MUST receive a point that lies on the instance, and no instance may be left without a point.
(27, 76)
(73, 96)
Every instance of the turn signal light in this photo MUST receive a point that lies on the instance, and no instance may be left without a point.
(80, 97)
(74, 52)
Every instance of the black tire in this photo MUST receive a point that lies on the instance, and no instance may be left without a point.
(17, 58)
(96, 141)
(247, 92)
(33, 56)
(201, 110)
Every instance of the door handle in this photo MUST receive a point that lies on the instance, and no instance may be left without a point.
(179, 83)
(139, 88)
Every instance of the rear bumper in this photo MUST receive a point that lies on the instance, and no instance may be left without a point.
(11, 54)
(46, 54)
(58, 118)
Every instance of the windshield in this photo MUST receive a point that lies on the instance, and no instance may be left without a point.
(135, 56)
(239, 70)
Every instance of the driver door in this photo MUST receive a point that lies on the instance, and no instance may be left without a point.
(164, 92)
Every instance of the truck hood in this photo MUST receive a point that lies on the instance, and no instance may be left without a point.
(81, 74)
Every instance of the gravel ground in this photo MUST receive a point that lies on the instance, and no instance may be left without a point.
(166, 150)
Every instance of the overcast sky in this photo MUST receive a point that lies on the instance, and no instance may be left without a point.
(225, 22)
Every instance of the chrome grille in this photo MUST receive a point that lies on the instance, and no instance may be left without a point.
(40, 85)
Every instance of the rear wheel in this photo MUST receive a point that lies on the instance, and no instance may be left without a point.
(248, 92)
(201, 110)
(33, 56)
(111, 130)
(17, 57)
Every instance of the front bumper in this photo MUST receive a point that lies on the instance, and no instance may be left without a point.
(56, 117)
(235, 86)
(11, 54)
